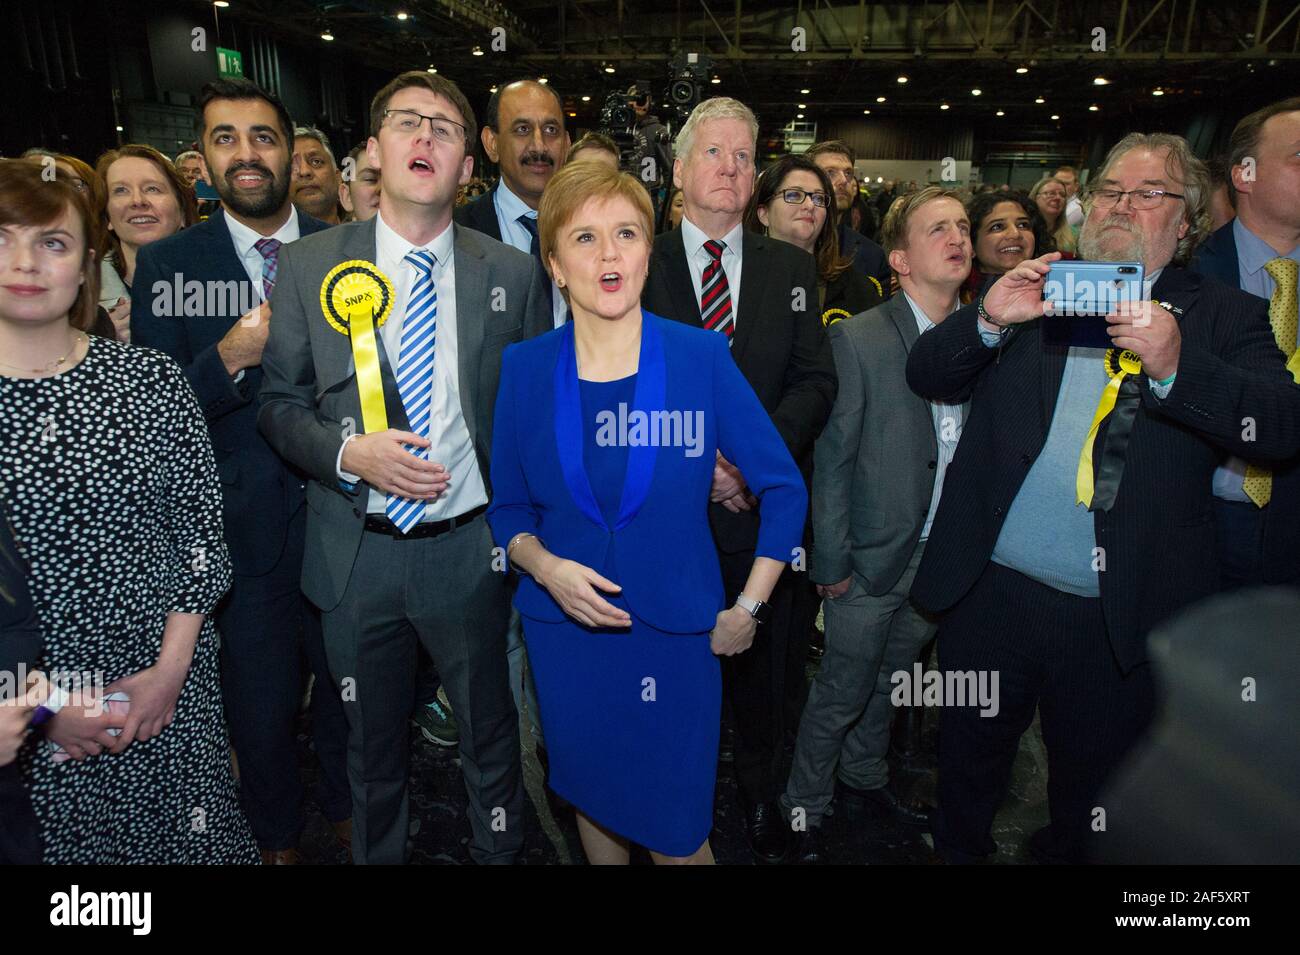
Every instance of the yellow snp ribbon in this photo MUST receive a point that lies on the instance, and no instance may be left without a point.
(356, 298)
(1119, 365)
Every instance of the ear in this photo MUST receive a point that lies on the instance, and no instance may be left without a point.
(489, 140)
(373, 153)
(1182, 228)
(556, 275)
(762, 216)
(677, 174)
(345, 196)
(898, 262)
(466, 170)
(1239, 180)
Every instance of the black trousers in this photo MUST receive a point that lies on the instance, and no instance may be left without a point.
(267, 627)
(20, 840)
(1050, 652)
(753, 683)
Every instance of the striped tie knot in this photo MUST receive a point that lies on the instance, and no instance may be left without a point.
(715, 248)
(269, 250)
(423, 260)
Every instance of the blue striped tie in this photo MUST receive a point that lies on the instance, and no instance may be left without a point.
(415, 373)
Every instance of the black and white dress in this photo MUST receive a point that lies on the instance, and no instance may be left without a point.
(106, 471)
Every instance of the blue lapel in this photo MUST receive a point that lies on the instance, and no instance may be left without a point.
(651, 384)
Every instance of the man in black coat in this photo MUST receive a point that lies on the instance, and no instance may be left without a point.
(762, 294)
(1051, 598)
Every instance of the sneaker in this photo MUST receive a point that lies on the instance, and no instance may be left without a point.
(436, 721)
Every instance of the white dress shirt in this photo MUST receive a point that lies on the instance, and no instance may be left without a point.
(452, 446)
(698, 258)
(947, 426)
(509, 208)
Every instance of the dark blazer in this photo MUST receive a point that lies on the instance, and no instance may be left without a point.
(1159, 536)
(664, 557)
(782, 352)
(1217, 258)
(849, 293)
(260, 493)
(20, 645)
(877, 459)
(868, 257)
(480, 214)
(310, 386)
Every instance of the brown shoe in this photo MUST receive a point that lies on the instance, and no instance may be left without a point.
(279, 857)
(343, 832)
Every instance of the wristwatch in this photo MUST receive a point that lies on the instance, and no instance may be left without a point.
(761, 612)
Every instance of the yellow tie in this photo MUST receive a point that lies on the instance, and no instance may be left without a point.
(1282, 315)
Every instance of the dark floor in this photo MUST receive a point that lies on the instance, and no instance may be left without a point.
(440, 827)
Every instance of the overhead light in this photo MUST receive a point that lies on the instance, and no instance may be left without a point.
(805, 92)
(543, 80)
(326, 34)
(1040, 101)
(976, 92)
(880, 179)
(477, 51)
(586, 99)
(119, 129)
(1157, 92)
(609, 68)
(401, 14)
(798, 116)
(431, 69)
(880, 99)
(220, 3)
(492, 89)
(866, 112)
(803, 105)
(1093, 108)
(943, 105)
(902, 79)
(1100, 81)
(573, 114)
(1000, 113)
(1056, 116)
(716, 79)
(1022, 69)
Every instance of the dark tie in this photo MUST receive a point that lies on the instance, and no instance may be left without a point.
(715, 293)
(270, 252)
(535, 247)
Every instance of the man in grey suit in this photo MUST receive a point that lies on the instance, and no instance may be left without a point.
(397, 547)
(878, 472)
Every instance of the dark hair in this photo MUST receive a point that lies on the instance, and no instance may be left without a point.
(239, 88)
(184, 195)
(1244, 140)
(434, 83)
(827, 247)
(979, 208)
(1221, 175)
(27, 198)
(493, 114)
(837, 147)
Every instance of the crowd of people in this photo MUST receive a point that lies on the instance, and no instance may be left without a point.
(428, 447)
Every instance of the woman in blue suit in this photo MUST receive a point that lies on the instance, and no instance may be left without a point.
(603, 452)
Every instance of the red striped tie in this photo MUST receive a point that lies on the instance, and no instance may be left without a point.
(715, 297)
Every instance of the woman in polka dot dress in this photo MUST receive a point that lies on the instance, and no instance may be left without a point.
(106, 471)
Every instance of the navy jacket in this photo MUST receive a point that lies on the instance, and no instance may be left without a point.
(869, 259)
(480, 215)
(663, 556)
(1217, 258)
(259, 491)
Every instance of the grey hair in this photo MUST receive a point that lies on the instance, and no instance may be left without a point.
(188, 154)
(1182, 166)
(719, 107)
(311, 132)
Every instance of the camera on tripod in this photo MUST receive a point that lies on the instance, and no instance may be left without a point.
(687, 74)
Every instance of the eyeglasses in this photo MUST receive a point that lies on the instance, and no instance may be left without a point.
(1137, 198)
(408, 122)
(796, 197)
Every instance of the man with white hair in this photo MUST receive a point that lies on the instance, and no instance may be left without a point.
(762, 294)
(1077, 514)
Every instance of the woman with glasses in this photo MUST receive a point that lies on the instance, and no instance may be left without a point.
(794, 202)
(1050, 196)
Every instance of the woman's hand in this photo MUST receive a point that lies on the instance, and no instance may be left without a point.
(733, 632)
(573, 586)
(153, 692)
(120, 313)
(84, 730)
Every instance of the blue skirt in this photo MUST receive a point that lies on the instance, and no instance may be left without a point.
(631, 727)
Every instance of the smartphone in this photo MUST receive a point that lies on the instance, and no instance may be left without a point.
(1082, 295)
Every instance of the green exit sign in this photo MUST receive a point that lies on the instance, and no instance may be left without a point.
(229, 62)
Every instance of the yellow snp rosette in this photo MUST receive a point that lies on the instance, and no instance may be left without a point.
(1119, 365)
(356, 298)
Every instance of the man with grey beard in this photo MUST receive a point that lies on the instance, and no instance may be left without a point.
(1077, 513)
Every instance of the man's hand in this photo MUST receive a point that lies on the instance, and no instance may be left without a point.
(1018, 296)
(733, 632)
(728, 482)
(832, 591)
(1151, 333)
(241, 347)
(382, 461)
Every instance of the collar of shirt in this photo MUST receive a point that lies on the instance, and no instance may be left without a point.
(1149, 282)
(391, 249)
(923, 323)
(1253, 252)
(509, 208)
(693, 238)
(246, 238)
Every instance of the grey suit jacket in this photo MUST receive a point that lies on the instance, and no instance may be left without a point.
(875, 463)
(309, 397)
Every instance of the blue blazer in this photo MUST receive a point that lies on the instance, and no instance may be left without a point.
(260, 493)
(660, 550)
(1217, 257)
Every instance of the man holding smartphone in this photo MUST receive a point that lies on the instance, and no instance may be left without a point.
(1077, 514)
